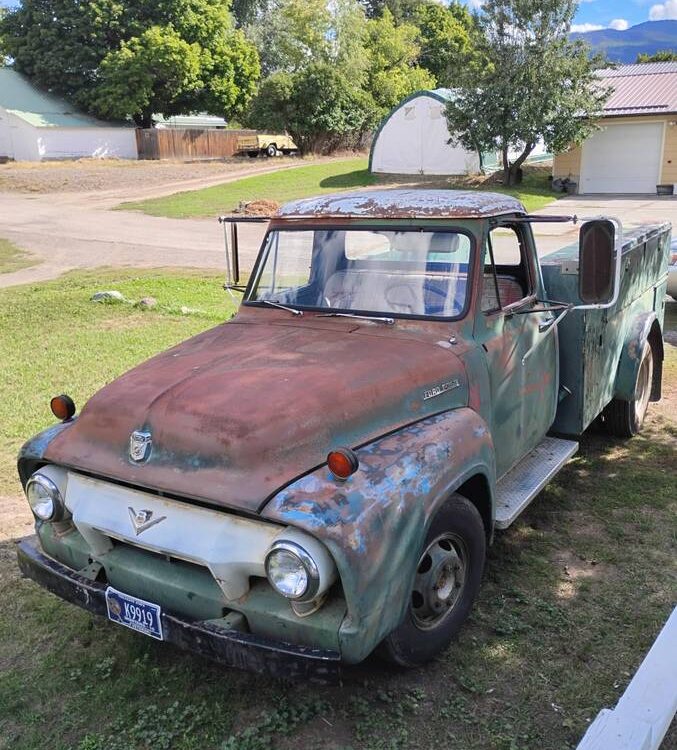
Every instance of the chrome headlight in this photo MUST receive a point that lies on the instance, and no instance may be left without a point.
(299, 566)
(291, 571)
(45, 498)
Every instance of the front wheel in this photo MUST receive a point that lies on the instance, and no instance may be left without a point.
(625, 418)
(271, 150)
(447, 580)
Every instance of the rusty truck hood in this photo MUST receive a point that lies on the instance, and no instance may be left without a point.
(243, 409)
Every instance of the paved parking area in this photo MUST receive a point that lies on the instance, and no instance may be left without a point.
(630, 209)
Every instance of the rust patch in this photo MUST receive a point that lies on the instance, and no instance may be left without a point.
(404, 204)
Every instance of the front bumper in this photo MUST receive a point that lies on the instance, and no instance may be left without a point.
(230, 647)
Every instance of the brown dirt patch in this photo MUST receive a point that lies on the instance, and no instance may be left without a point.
(16, 520)
(86, 175)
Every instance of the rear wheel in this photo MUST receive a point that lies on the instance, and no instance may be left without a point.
(271, 150)
(447, 580)
(625, 418)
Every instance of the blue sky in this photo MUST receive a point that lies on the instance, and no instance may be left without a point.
(596, 14)
(615, 14)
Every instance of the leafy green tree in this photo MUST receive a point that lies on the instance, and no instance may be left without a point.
(392, 73)
(664, 55)
(94, 53)
(537, 84)
(319, 106)
(449, 38)
(292, 34)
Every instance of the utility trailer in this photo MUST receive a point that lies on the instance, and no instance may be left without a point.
(266, 144)
(321, 476)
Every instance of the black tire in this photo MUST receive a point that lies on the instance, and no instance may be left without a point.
(252, 154)
(420, 636)
(271, 150)
(624, 419)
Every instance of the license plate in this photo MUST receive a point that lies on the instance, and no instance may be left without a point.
(137, 614)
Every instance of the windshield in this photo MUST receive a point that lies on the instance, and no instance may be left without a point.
(365, 271)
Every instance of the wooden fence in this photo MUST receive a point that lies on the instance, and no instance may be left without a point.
(187, 144)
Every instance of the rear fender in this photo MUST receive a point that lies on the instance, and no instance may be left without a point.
(645, 327)
(375, 523)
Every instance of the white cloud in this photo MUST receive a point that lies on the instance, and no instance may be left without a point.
(475, 4)
(582, 28)
(661, 11)
(618, 24)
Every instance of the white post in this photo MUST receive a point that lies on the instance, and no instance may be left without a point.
(644, 712)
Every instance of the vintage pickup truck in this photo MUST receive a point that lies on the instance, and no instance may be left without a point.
(320, 476)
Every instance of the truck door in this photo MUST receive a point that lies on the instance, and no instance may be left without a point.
(522, 362)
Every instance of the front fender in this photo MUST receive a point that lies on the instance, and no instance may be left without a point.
(631, 355)
(375, 523)
(32, 453)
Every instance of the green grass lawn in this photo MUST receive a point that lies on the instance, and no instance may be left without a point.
(300, 182)
(574, 592)
(281, 186)
(14, 259)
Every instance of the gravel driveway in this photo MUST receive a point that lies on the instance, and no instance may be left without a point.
(75, 228)
(72, 229)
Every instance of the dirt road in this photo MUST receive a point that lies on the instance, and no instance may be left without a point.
(70, 229)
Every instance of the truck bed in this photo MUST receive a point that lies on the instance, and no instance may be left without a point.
(591, 341)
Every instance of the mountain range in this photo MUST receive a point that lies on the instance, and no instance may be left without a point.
(624, 46)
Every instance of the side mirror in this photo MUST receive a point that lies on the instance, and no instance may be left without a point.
(597, 262)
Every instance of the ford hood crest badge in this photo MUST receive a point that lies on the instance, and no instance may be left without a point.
(140, 444)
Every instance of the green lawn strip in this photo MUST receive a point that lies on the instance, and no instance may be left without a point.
(13, 258)
(300, 182)
(54, 340)
(281, 186)
(574, 592)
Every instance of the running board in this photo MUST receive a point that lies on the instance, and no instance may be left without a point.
(516, 489)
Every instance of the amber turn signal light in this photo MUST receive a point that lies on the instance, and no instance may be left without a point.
(63, 407)
(342, 463)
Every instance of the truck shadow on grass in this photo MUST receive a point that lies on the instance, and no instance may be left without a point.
(574, 593)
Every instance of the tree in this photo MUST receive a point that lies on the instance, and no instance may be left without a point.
(537, 84)
(392, 72)
(449, 38)
(291, 34)
(664, 55)
(118, 58)
(319, 106)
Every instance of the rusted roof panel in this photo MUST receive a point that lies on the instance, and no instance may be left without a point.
(404, 204)
(641, 89)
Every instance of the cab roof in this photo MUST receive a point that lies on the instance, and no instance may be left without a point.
(404, 204)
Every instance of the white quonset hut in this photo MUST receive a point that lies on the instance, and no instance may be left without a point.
(35, 125)
(414, 139)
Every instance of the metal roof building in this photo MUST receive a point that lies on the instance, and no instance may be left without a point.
(635, 149)
(35, 125)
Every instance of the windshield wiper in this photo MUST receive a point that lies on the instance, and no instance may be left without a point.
(282, 307)
(375, 318)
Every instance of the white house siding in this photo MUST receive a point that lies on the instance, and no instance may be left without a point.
(101, 143)
(18, 137)
(23, 142)
(414, 140)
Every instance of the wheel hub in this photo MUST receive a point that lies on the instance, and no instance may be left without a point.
(440, 578)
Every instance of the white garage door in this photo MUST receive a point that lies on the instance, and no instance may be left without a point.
(623, 159)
